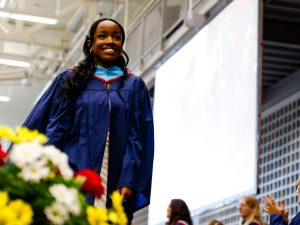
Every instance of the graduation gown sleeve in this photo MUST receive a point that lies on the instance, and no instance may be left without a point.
(277, 219)
(138, 158)
(51, 114)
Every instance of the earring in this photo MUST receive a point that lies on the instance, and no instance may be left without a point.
(91, 49)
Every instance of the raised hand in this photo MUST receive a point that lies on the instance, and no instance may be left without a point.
(271, 207)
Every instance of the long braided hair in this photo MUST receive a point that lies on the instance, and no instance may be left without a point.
(85, 69)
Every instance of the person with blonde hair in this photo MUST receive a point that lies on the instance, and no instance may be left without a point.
(249, 211)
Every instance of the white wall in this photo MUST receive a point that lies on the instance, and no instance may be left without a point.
(205, 112)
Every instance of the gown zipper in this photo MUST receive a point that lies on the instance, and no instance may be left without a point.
(109, 102)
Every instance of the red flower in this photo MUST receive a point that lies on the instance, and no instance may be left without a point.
(3, 156)
(92, 183)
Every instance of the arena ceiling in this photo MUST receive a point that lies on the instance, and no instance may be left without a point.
(39, 38)
(281, 42)
(41, 34)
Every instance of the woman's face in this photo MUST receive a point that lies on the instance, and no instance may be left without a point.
(107, 43)
(244, 209)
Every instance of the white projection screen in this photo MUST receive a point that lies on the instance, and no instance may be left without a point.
(206, 114)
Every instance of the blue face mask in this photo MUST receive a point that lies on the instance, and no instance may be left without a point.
(108, 74)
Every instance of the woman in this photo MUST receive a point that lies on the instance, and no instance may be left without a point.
(100, 115)
(178, 213)
(277, 212)
(249, 211)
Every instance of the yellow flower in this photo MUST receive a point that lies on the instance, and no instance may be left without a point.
(96, 216)
(113, 217)
(117, 201)
(22, 134)
(3, 199)
(117, 217)
(122, 218)
(15, 212)
(7, 216)
(23, 211)
(26, 135)
(7, 133)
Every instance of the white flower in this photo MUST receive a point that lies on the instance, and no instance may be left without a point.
(66, 196)
(55, 155)
(26, 153)
(35, 171)
(60, 160)
(66, 171)
(56, 213)
(75, 207)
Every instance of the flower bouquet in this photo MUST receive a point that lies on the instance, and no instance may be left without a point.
(37, 186)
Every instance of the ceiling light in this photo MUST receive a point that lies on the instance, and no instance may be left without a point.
(4, 14)
(4, 98)
(28, 18)
(35, 19)
(12, 62)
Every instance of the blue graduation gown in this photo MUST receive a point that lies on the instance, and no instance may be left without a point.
(79, 127)
(277, 219)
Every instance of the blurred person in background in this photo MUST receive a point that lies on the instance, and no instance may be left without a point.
(249, 211)
(178, 213)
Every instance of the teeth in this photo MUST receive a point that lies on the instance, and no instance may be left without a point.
(109, 49)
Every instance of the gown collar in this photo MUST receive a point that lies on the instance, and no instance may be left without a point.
(107, 75)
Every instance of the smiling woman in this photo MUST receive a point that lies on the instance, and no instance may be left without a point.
(107, 44)
(100, 115)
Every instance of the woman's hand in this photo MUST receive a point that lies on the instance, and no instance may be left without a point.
(125, 192)
(271, 207)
